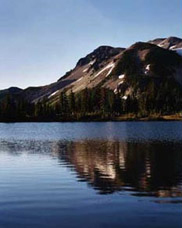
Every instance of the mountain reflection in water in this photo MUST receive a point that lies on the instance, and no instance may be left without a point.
(148, 169)
(151, 168)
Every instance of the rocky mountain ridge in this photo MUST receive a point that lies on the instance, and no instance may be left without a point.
(115, 69)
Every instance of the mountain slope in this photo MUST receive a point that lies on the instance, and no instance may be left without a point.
(145, 60)
(127, 71)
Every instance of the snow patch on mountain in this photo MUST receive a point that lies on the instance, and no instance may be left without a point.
(178, 50)
(79, 79)
(125, 97)
(172, 48)
(85, 70)
(116, 90)
(92, 62)
(52, 94)
(120, 83)
(161, 45)
(121, 76)
(111, 65)
(147, 69)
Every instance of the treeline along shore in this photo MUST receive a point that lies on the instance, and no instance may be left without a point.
(98, 104)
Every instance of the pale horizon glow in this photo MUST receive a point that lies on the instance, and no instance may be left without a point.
(43, 39)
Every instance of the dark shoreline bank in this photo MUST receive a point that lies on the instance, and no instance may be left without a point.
(92, 119)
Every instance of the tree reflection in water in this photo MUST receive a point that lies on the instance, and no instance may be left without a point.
(152, 168)
(145, 169)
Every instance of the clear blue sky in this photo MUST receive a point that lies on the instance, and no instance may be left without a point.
(42, 39)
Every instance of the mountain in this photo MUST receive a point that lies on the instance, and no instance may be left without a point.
(150, 69)
(82, 76)
(12, 91)
(112, 67)
(169, 43)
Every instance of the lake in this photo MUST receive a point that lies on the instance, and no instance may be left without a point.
(109, 174)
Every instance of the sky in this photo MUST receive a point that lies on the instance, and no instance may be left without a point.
(40, 40)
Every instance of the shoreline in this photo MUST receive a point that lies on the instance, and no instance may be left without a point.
(127, 118)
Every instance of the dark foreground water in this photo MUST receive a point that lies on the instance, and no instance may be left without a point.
(91, 175)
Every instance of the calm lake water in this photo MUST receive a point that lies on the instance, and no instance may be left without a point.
(110, 174)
